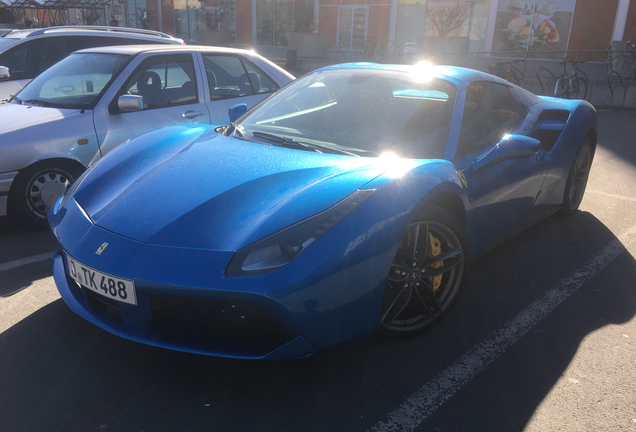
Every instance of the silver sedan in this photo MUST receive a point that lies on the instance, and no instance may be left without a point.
(96, 99)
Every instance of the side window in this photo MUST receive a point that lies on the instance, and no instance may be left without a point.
(490, 112)
(261, 82)
(29, 59)
(164, 81)
(231, 77)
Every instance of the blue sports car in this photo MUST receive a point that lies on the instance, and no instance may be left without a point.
(350, 201)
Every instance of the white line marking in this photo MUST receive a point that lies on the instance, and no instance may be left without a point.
(424, 402)
(24, 261)
(609, 195)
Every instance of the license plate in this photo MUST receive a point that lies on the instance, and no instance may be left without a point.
(115, 288)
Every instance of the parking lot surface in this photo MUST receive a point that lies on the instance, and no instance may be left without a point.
(544, 339)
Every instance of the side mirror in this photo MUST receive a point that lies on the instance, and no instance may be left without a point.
(129, 103)
(236, 112)
(510, 147)
(4, 73)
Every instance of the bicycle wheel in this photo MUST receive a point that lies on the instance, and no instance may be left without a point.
(376, 53)
(562, 88)
(361, 50)
(622, 64)
(546, 80)
(579, 88)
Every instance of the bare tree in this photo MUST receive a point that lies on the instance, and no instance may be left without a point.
(90, 16)
(447, 18)
(145, 17)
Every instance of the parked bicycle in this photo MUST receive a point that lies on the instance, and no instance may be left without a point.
(509, 71)
(573, 83)
(623, 64)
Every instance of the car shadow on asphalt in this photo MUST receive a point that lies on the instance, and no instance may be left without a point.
(17, 243)
(62, 373)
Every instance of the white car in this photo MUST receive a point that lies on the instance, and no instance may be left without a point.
(26, 53)
(96, 99)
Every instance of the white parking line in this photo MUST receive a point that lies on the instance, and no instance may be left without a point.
(610, 195)
(24, 261)
(409, 415)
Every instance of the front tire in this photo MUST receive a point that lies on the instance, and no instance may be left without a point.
(428, 273)
(577, 179)
(36, 189)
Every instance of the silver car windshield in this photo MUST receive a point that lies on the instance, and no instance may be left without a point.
(364, 112)
(75, 82)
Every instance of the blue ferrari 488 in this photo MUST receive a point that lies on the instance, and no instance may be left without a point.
(350, 201)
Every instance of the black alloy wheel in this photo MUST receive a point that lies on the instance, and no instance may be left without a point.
(577, 179)
(428, 273)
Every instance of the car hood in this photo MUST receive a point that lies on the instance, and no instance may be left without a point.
(190, 187)
(14, 117)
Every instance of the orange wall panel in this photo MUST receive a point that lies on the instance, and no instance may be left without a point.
(328, 23)
(592, 26)
(244, 22)
(630, 27)
(378, 31)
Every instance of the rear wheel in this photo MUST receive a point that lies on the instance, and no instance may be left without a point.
(577, 179)
(428, 273)
(622, 64)
(36, 189)
(579, 88)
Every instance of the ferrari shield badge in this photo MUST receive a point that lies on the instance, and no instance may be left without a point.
(101, 248)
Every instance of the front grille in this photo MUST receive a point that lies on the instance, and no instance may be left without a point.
(221, 325)
(101, 303)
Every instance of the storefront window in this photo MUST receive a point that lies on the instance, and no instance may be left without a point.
(274, 18)
(418, 20)
(185, 19)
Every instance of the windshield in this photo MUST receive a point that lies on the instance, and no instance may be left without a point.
(75, 82)
(360, 111)
(6, 42)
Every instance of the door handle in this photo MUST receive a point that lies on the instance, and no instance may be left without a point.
(191, 114)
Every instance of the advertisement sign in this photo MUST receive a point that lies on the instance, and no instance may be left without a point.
(537, 26)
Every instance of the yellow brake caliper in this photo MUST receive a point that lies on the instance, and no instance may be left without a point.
(435, 249)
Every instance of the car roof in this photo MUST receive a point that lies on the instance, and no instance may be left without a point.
(124, 32)
(463, 75)
(137, 49)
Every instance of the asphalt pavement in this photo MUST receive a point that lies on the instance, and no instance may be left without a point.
(544, 339)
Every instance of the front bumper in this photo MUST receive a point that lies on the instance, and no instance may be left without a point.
(197, 324)
(328, 294)
(6, 179)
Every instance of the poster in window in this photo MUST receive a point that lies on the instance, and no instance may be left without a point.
(540, 27)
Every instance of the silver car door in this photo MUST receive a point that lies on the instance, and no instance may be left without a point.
(172, 91)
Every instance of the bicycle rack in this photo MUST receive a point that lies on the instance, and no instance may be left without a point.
(613, 80)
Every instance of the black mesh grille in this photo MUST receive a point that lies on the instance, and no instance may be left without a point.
(99, 302)
(221, 325)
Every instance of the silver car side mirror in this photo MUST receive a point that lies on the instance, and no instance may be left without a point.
(4, 73)
(130, 103)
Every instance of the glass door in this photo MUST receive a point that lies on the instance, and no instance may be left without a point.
(352, 27)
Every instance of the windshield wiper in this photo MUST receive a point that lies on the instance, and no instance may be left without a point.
(43, 103)
(290, 142)
(15, 98)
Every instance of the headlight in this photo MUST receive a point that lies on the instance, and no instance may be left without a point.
(280, 248)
